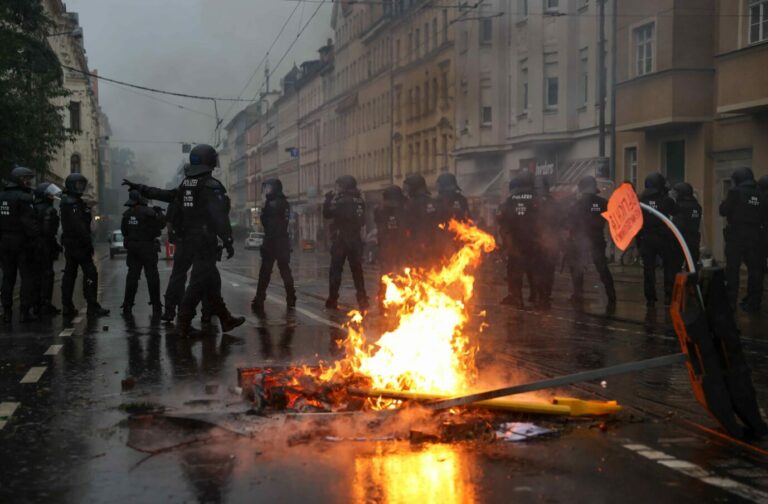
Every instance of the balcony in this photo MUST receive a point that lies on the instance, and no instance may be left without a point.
(662, 99)
(742, 80)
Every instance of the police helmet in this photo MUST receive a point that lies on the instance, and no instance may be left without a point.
(46, 190)
(446, 183)
(415, 185)
(762, 183)
(135, 198)
(656, 181)
(346, 183)
(393, 193)
(523, 180)
(272, 186)
(20, 177)
(202, 159)
(75, 183)
(587, 185)
(683, 190)
(741, 175)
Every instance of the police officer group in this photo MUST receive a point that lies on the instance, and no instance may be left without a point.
(537, 233)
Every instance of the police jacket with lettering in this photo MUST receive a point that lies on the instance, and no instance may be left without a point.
(18, 225)
(48, 223)
(585, 218)
(745, 206)
(452, 206)
(390, 226)
(518, 218)
(347, 214)
(688, 217)
(423, 219)
(157, 194)
(660, 201)
(141, 224)
(275, 217)
(75, 223)
(201, 209)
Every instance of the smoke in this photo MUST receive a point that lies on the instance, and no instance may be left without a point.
(202, 47)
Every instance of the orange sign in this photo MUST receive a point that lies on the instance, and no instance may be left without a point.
(624, 215)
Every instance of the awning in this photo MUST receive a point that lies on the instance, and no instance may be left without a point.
(572, 172)
(481, 184)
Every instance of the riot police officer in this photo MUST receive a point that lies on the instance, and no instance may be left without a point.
(451, 204)
(687, 219)
(346, 210)
(389, 217)
(18, 236)
(78, 248)
(48, 248)
(546, 229)
(421, 227)
(587, 240)
(141, 226)
(746, 210)
(517, 219)
(182, 256)
(655, 240)
(275, 217)
(200, 213)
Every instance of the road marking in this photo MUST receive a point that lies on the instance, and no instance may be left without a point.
(67, 332)
(77, 320)
(33, 375)
(306, 313)
(235, 285)
(53, 349)
(6, 411)
(700, 473)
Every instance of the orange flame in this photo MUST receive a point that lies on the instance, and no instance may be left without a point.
(427, 351)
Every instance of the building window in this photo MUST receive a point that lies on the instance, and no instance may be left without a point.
(523, 87)
(410, 46)
(426, 97)
(445, 25)
(486, 107)
(463, 41)
(74, 117)
(522, 8)
(758, 21)
(584, 76)
(397, 52)
(434, 33)
(75, 164)
(434, 93)
(551, 5)
(426, 38)
(417, 38)
(674, 161)
(417, 102)
(398, 105)
(551, 86)
(630, 165)
(644, 36)
(486, 29)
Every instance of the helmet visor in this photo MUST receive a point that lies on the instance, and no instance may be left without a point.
(53, 191)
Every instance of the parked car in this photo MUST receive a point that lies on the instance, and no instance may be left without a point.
(116, 245)
(254, 241)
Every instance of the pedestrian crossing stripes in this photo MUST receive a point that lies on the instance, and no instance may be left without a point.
(53, 349)
(6, 411)
(67, 332)
(33, 375)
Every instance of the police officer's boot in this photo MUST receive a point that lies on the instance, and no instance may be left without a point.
(69, 311)
(362, 302)
(96, 310)
(183, 327)
(169, 314)
(331, 304)
(290, 300)
(257, 305)
(7, 316)
(206, 317)
(157, 311)
(229, 322)
(27, 315)
(127, 309)
(511, 300)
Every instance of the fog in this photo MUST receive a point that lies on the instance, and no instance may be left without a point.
(200, 47)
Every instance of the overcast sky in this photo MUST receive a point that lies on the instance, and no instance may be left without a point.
(201, 47)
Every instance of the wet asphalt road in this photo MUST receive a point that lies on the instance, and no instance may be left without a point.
(65, 434)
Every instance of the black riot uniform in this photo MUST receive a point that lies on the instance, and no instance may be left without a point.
(182, 255)
(547, 229)
(451, 204)
(48, 248)
(78, 247)
(200, 213)
(141, 225)
(18, 236)
(655, 240)
(517, 217)
(586, 241)
(390, 219)
(346, 211)
(746, 210)
(421, 226)
(275, 217)
(687, 220)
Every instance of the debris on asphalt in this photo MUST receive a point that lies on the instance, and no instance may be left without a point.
(522, 431)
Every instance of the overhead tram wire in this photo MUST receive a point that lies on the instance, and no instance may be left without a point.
(158, 99)
(263, 59)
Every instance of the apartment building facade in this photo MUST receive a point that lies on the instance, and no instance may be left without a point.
(692, 96)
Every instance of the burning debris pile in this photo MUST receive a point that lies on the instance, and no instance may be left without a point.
(424, 358)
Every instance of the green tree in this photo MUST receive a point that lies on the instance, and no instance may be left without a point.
(31, 83)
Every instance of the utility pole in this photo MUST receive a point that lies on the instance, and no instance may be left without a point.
(601, 78)
(614, 7)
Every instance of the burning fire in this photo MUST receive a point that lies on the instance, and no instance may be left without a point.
(427, 351)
